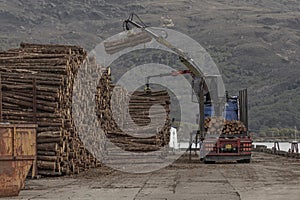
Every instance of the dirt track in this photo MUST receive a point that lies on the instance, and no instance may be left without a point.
(267, 177)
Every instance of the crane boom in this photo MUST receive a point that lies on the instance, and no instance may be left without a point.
(184, 57)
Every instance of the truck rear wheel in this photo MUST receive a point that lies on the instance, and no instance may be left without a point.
(209, 162)
(244, 161)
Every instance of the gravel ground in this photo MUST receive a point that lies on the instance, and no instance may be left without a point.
(266, 177)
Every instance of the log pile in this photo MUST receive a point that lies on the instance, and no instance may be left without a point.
(126, 119)
(217, 125)
(36, 87)
(37, 83)
(151, 111)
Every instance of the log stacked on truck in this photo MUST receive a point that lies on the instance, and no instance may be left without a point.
(37, 83)
(116, 111)
(219, 125)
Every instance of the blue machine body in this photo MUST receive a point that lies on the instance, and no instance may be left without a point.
(208, 110)
(230, 111)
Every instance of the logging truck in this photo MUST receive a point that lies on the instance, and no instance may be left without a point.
(221, 140)
(227, 138)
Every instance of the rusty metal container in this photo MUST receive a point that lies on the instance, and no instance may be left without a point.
(17, 155)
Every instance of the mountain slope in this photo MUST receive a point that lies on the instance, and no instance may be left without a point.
(255, 43)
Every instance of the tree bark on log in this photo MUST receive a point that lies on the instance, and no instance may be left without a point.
(53, 69)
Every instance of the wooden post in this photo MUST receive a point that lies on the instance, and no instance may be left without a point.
(34, 171)
(1, 117)
(276, 147)
(34, 166)
(190, 146)
(294, 147)
(34, 99)
(201, 109)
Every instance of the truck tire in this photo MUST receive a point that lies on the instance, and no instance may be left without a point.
(244, 161)
(209, 162)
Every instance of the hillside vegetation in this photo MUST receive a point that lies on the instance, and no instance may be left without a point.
(255, 43)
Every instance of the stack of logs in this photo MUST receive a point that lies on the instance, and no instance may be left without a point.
(219, 125)
(151, 111)
(36, 87)
(126, 119)
(37, 83)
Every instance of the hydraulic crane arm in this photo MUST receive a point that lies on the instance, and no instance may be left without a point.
(184, 58)
(173, 73)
